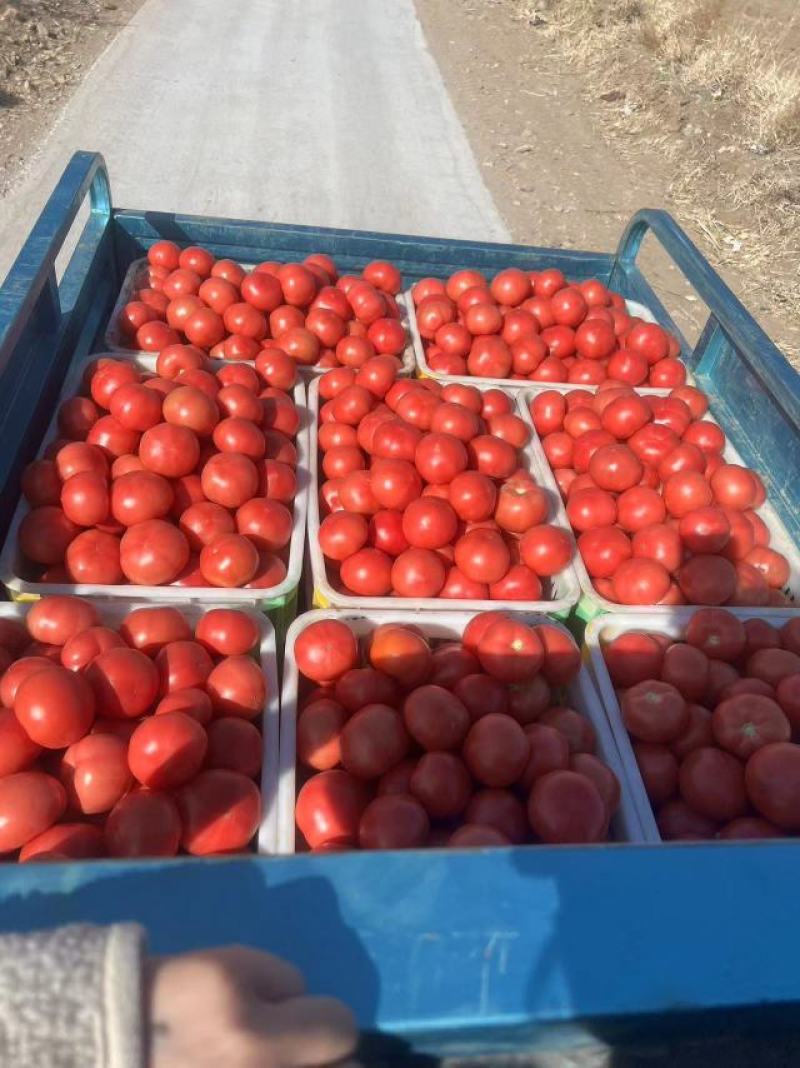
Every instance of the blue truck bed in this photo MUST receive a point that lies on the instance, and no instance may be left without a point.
(451, 953)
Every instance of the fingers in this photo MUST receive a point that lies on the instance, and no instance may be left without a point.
(308, 1031)
(261, 974)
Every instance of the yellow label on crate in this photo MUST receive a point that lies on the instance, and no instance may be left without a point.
(319, 600)
(24, 598)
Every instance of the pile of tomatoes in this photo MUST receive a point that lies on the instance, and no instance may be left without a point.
(536, 326)
(185, 477)
(409, 742)
(715, 720)
(661, 517)
(425, 492)
(129, 741)
(308, 310)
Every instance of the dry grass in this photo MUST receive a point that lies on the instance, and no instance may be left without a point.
(718, 103)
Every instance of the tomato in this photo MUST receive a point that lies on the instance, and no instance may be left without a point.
(707, 579)
(546, 549)
(749, 827)
(639, 507)
(496, 750)
(661, 543)
(325, 650)
(429, 523)
(64, 841)
(520, 506)
(615, 467)
(220, 812)
(427, 287)
(372, 741)
(718, 633)
(393, 821)
(510, 651)
(576, 728)
(481, 694)
(441, 783)
(229, 479)
(55, 707)
(95, 773)
(418, 573)
(499, 810)
(402, 654)
(640, 581)
(686, 668)
(167, 751)
(153, 553)
(54, 620)
(772, 565)
(329, 807)
(482, 555)
(603, 549)
(145, 823)
(654, 711)
(139, 496)
(772, 665)
(319, 730)
(712, 782)
(17, 750)
(79, 651)
(30, 803)
(659, 770)
(565, 806)
(676, 820)
(744, 723)
(150, 629)
(436, 718)
(772, 778)
(451, 663)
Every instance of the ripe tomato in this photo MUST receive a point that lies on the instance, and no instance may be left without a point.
(615, 467)
(55, 707)
(418, 573)
(772, 778)
(441, 783)
(565, 806)
(429, 523)
(153, 553)
(139, 496)
(707, 579)
(640, 581)
(712, 782)
(95, 773)
(654, 711)
(166, 751)
(325, 650)
(510, 651)
(30, 803)
(435, 718)
(520, 506)
(393, 821)
(546, 549)
(744, 723)
(496, 750)
(372, 741)
(482, 555)
(659, 770)
(54, 620)
(676, 820)
(401, 653)
(329, 808)
(220, 812)
(229, 479)
(17, 750)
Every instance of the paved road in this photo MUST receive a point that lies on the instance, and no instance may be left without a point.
(314, 111)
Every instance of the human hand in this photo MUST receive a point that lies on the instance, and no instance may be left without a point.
(241, 1008)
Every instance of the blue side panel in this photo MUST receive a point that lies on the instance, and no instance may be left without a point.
(446, 949)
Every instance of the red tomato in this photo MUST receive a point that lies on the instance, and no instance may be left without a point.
(441, 783)
(565, 806)
(55, 707)
(510, 651)
(436, 718)
(546, 549)
(429, 523)
(707, 579)
(640, 581)
(772, 778)
(153, 553)
(167, 751)
(30, 803)
(676, 820)
(319, 731)
(473, 496)
(687, 669)
(712, 782)
(418, 573)
(393, 821)
(220, 812)
(139, 496)
(744, 723)
(496, 750)
(95, 773)
(79, 651)
(144, 823)
(329, 808)
(54, 620)
(401, 653)
(372, 741)
(325, 650)
(654, 711)
(482, 555)
(17, 750)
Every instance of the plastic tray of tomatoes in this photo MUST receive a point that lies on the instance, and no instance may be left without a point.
(25, 580)
(334, 322)
(500, 333)
(426, 661)
(552, 592)
(746, 538)
(177, 706)
(704, 707)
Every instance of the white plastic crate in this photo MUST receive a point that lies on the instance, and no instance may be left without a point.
(673, 623)
(115, 341)
(780, 539)
(23, 589)
(112, 614)
(565, 586)
(626, 825)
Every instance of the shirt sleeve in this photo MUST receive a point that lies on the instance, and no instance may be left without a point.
(72, 997)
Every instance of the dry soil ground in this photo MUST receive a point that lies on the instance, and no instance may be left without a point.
(45, 48)
(570, 145)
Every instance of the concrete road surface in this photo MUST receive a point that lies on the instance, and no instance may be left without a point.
(325, 112)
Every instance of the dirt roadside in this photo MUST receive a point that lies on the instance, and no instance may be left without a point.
(559, 175)
(46, 46)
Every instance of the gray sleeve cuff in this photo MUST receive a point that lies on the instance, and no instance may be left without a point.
(72, 998)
